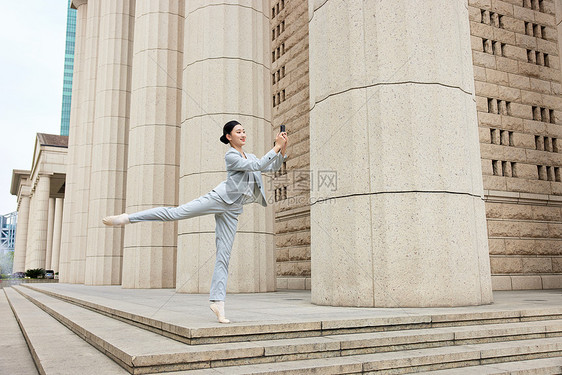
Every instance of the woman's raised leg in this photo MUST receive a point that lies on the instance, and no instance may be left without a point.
(204, 205)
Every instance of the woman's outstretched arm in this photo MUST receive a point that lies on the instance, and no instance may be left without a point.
(235, 161)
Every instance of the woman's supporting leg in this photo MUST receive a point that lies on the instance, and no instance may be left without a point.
(218, 308)
(225, 231)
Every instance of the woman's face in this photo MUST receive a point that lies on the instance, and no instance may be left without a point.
(237, 136)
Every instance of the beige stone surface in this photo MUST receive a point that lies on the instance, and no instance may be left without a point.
(38, 215)
(30, 230)
(50, 232)
(149, 258)
(383, 38)
(551, 281)
(501, 282)
(109, 141)
(224, 77)
(83, 146)
(272, 316)
(15, 358)
(381, 238)
(57, 228)
(392, 73)
(21, 233)
(53, 344)
(395, 262)
(36, 191)
(526, 282)
(522, 229)
(74, 130)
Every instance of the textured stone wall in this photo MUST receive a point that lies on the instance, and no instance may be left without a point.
(517, 76)
(517, 81)
(290, 188)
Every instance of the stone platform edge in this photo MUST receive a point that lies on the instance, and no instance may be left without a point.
(295, 329)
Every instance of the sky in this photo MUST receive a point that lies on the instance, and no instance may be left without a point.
(32, 36)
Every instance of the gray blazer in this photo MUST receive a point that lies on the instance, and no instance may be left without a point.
(238, 172)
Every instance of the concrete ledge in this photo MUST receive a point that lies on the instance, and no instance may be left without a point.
(13, 344)
(534, 366)
(142, 352)
(282, 315)
(9, 282)
(526, 282)
(293, 283)
(54, 348)
(498, 196)
(408, 361)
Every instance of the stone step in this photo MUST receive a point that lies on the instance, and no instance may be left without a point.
(55, 349)
(134, 348)
(177, 328)
(545, 366)
(447, 359)
(12, 344)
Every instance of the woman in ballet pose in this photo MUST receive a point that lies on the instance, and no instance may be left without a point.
(243, 185)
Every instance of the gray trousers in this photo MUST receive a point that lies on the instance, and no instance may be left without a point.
(226, 219)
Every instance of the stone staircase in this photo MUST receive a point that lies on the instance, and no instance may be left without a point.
(71, 335)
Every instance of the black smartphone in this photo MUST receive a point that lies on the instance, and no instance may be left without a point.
(282, 130)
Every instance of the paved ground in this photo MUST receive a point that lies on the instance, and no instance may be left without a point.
(245, 310)
(192, 310)
(12, 344)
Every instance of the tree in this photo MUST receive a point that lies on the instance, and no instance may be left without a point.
(6, 262)
(35, 273)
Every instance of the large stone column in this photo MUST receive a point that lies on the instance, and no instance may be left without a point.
(149, 257)
(398, 215)
(226, 76)
(84, 145)
(21, 231)
(57, 228)
(50, 230)
(109, 145)
(30, 229)
(73, 138)
(35, 257)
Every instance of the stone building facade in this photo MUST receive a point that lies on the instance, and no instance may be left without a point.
(421, 170)
(290, 101)
(517, 79)
(40, 194)
(515, 46)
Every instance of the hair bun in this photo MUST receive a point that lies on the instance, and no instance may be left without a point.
(227, 129)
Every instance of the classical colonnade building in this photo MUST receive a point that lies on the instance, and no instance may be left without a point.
(424, 164)
(40, 193)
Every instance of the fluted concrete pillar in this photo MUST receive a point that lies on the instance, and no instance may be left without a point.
(21, 231)
(84, 145)
(50, 230)
(110, 138)
(149, 257)
(35, 257)
(73, 138)
(398, 218)
(57, 228)
(226, 76)
(30, 229)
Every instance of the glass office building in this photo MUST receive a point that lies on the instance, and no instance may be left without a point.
(8, 231)
(68, 69)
